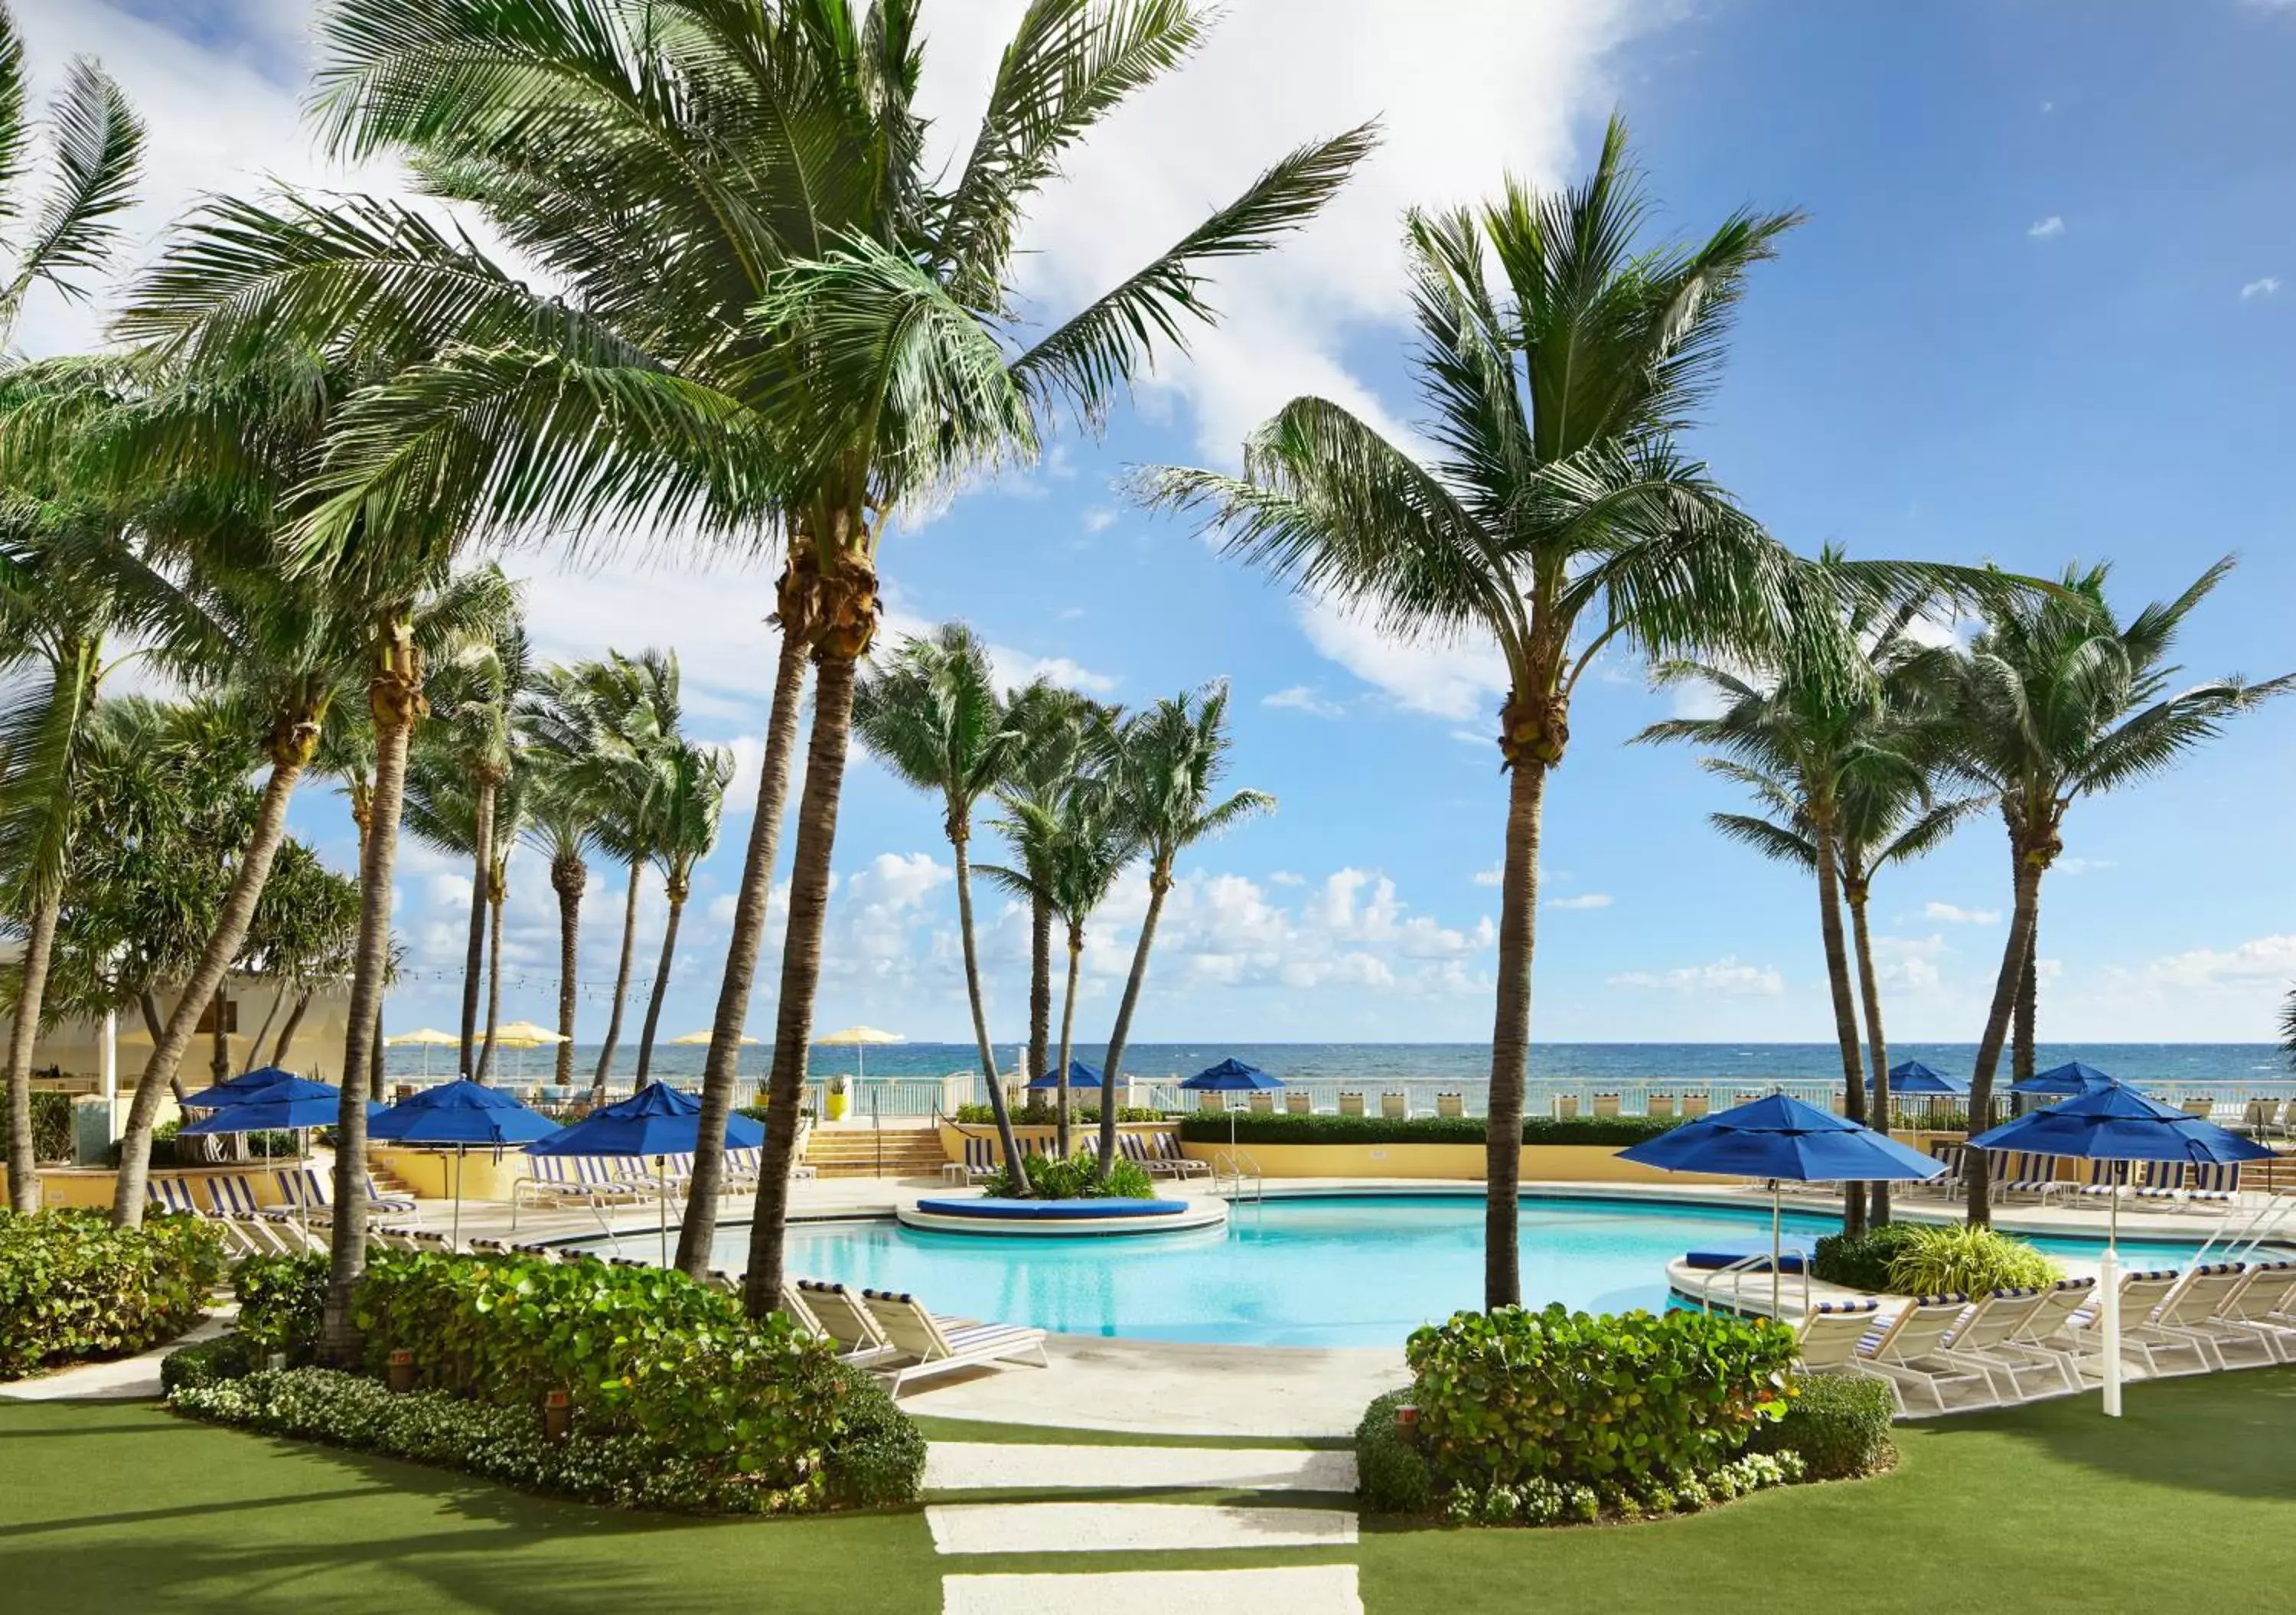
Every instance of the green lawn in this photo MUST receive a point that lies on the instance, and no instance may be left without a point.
(120, 1506)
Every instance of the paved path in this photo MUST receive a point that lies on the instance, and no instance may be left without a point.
(1058, 1516)
(136, 1376)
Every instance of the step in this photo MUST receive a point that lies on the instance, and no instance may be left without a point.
(1116, 1527)
(960, 1466)
(1308, 1589)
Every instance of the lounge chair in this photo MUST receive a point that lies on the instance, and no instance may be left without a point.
(2202, 1108)
(1213, 1100)
(1827, 1341)
(1351, 1105)
(917, 1334)
(2162, 1185)
(1166, 1148)
(2264, 1308)
(1694, 1106)
(2140, 1296)
(1395, 1107)
(1747, 1096)
(172, 1195)
(1906, 1351)
(1659, 1104)
(2025, 1172)
(1451, 1106)
(980, 1162)
(313, 1193)
(2042, 1341)
(841, 1315)
(2212, 1184)
(1296, 1103)
(2193, 1312)
(1996, 1318)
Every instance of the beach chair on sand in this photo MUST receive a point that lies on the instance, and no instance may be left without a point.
(1451, 1105)
(1351, 1105)
(1906, 1351)
(917, 1334)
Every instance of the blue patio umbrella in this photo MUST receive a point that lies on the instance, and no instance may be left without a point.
(656, 1120)
(1778, 1137)
(2112, 1121)
(265, 1114)
(1231, 1075)
(461, 1113)
(2071, 1077)
(1911, 1077)
(244, 1085)
(1080, 1076)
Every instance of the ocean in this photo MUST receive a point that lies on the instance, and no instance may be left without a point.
(1467, 1065)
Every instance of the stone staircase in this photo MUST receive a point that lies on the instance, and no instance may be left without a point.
(909, 1151)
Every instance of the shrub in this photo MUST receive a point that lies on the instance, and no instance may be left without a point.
(52, 1126)
(1281, 1128)
(1510, 1396)
(643, 1353)
(281, 1300)
(501, 1443)
(1391, 1474)
(1838, 1426)
(1861, 1261)
(877, 1458)
(73, 1287)
(1075, 1178)
(227, 1356)
(1039, 1113)
(1935, 1259)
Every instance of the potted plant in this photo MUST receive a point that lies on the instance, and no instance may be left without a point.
(837, 1098)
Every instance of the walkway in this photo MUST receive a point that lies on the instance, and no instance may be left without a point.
(1168, 1526)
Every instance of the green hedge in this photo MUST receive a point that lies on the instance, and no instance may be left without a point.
(74, 1287)
(644, 1355)
(1838, 1426)
(282, 1300)
(1077, 1178)
(1039, 1113)
(1614, 1132)
(52, 1127)
(1512, 1396)
(227, 1356)
(1925, 1258)
(1391, 1474)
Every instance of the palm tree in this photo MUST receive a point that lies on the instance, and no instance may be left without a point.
(569, 788)
(635, 711)
(1560, 518)
(2059, 701)
(1072, 857)
(1838, 746)
(685, 832)
(462, 813)
(1163, 765)
(765, 331)
(933, 717)
(1054, 725)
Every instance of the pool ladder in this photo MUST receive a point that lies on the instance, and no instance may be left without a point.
(1236, 1175)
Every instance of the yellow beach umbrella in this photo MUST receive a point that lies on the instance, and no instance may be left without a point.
(856, 1038)
(700, 1040)
(525, 1035)
(426, 1039)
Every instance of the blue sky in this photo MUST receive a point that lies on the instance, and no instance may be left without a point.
(2043, 309)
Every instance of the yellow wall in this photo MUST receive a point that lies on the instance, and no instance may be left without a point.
(79, 1186)
(430, 1174)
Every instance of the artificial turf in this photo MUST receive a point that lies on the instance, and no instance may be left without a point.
(114, 1507)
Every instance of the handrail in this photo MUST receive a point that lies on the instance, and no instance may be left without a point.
(1737, 1272)
(1234, 1163)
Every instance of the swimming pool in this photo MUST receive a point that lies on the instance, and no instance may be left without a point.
(1339, 1270)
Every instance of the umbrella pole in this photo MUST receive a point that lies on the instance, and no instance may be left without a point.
(2109, 1276)
(661, 1205)
(455, 1237)
(1773, 1248)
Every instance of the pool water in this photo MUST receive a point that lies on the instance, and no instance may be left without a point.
(1357, 1270)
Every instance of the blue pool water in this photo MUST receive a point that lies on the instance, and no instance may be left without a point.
(1338, 1271)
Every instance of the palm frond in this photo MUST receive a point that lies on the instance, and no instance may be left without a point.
(99, 147)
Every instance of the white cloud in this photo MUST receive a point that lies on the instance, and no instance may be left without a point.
(2260, 963)
(1284, 877)
(2073, 866)
(2263, 286)
(1099, 518)
(1726, 977)
(1588, 900)
(1952, 914)
(2044, 229)
(1908, 963)
(1492, 876)
(1455, 681)
(1303, 698)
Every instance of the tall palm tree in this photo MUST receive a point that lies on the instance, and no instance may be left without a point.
(693, 803)
(571, 785)
(1161, 766)
(768, 314)
(1838, 746)
(931, 714)
(2061, 700)
(1072, 858)
(1561, 516)
(634, 709)
(1056, 727)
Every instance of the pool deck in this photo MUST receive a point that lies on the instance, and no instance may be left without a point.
(1176, 1388)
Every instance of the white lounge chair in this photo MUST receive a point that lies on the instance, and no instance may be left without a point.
(1996, 1319)
(2141, 1295)
(841, 1315)
(2041, 1342)
(917, 1334)
(2265, 1307)
(2194, 1311)
(1906, 1350)
(1827, 1341)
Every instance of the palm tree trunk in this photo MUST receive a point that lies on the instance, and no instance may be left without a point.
(219, 1039)
(960, 841)
(816, 839)
(23, 1158)
(621, 984)
(1040, 989)
(1877, 1047)
(1068, 1029)
(1845, 1006)
(496, 893)
(203, 985)
(721, 1067)
(1160, 881)
(568, 877)
(474, 955)
(2029, 983)
(295, 1024)
(396, 696)
(2014, 952)
(1511, 1036)
(660, 984)
(374, 1061)
(263, 1032)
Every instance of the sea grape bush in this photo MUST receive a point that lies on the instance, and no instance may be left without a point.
(74, 1287)
(280, 1300)
(1514, 1396)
